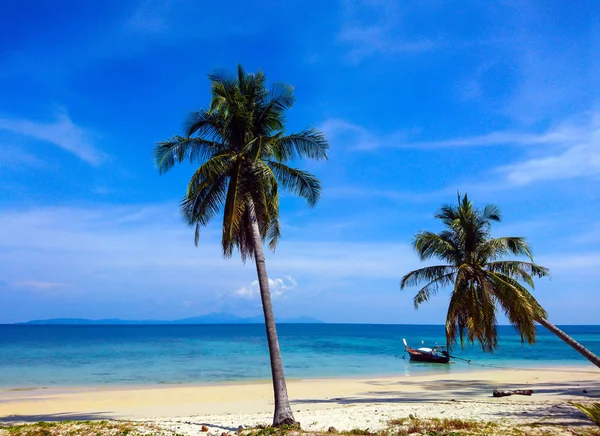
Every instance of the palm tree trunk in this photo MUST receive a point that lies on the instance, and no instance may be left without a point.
(572, 342)
(283, 411)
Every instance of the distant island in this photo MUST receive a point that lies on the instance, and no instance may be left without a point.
(212, 318)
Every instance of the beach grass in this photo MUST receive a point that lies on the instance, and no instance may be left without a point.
(411, 426)
(85, 428)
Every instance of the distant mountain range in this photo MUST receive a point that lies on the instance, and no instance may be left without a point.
(213, 318)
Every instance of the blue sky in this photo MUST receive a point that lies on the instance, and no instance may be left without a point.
(419, 100)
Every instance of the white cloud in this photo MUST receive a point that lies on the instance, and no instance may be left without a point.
(61, 132)
(278, 286)
(245, 292)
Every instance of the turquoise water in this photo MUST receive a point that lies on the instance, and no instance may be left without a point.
(35, 356)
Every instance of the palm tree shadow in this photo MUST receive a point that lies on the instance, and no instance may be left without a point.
(449, 390)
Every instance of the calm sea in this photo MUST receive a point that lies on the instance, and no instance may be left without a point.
(35, 356)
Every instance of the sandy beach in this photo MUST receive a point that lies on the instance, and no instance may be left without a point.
(320, 403)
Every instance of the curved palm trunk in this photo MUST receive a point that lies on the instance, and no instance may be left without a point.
(283, 411)
(572, 342)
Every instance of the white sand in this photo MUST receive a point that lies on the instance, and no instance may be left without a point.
(318, 404)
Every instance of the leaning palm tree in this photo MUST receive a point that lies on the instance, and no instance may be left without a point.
(242, 149)
(481, 279)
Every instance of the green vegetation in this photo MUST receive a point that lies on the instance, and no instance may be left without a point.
(436, 427)
(397, 427)
(267, 430)
(480, 278)
(242, 150)
(592, 411)
(84, 428)
(409, 426)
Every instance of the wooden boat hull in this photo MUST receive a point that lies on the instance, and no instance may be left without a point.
(430, 355)
(417, 356)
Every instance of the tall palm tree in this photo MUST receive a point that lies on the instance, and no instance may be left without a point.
(242, 150)
(481, 279)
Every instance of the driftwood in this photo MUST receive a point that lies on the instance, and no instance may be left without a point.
(498, 393)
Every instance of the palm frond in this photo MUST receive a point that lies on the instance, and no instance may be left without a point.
(203, 204)
(426, 274)
(270, 119)
(210, 171)
(430, 245)
(308, 143)
(300, 182)
(207, 125)
(496, 248)
(518, 270)
(492, 212)
(235, 208)
(431, 288)
(179, 149)
(520, 307)
(592, 411)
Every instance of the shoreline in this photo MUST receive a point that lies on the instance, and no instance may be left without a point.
(583, 367)
(150, 402)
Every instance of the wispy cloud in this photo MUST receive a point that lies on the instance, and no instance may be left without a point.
(578, 161)
(150, 17)
(562, 135)
(359, 137)
(61, 132)
(143, 258)
(374, 192)
(36, 285)
(367, 41)
(144, 252)
(578, 158)
(591, 236)
(377, 28)
(572, 149)
(566, 264)
(16, 157)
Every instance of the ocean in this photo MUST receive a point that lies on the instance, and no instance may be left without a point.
(54, 356)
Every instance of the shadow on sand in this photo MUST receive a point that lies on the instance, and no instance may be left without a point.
(448, 390)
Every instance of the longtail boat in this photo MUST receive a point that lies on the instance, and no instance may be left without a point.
(437, 354)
